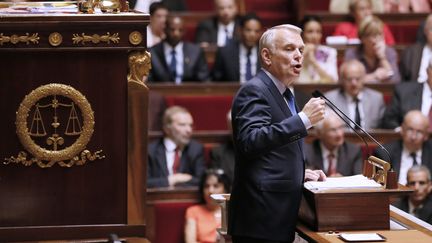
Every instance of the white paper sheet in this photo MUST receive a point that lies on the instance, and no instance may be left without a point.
(345, 182)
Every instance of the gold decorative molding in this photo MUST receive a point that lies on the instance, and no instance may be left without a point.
(135, 38)
(76, 153)
(95, 38)
(55, 39)
(15, 39)
(139, 66)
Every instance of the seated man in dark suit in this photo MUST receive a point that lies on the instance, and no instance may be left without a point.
(415, 147)
(175, 159)
(418, 203)
(220, 29)
(363, 105)
(330, 152)
(415, 58)
(238, 60)
(175, 60)
(409, 96)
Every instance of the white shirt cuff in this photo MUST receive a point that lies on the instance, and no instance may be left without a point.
(305, 120)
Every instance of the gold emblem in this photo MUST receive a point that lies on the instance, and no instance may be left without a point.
(46, 143)
(55, 39)
(135, 38)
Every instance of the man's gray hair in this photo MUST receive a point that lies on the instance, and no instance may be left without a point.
(420, 168)
(267, 39)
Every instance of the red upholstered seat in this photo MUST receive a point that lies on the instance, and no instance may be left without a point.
(209, 112)
(170, 221)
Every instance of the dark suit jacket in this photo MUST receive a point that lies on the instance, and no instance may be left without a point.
(349, 158)
(191, 162)
(269, 168)
(410, 62)
(227, 63)
(406, 97)
(425, 213)
(223, 157)
(195, 66)
(395, 150)
(207, 30)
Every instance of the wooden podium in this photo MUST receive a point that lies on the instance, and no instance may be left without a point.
(348, 209)
(59, 182)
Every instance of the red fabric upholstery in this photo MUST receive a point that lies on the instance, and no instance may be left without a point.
(199, 5)
(209, 112)
(321, 5)
(170, 221)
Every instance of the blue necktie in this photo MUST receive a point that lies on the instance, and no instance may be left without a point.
(248, 66)
(173, 65)
(227, 36)
(291, 102)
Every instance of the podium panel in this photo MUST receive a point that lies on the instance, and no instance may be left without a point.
(56, 183)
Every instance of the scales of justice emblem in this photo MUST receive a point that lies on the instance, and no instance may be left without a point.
(54, 123)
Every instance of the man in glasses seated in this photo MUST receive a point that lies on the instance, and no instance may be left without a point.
(418, 203)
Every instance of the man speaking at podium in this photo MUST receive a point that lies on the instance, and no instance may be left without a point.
(267, 132)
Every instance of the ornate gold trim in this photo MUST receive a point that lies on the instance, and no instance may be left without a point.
(15, 39)
(55, 39)
(95, 38)
(55, 156)
(139, 66)
(135, 38)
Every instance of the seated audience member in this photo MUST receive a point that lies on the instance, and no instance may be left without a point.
(175, 159)
(320, 62)
(175, 60)
(156, 28)
(342, 6)
(418, 203)
(363, 105)
(238, 60)
(330, 152)
(380, 60)
(359, 9)
(415, 58)
(203, 219)
(409, 96)
(220, 29)
(406, 6)
(415, 147)
(223, 157)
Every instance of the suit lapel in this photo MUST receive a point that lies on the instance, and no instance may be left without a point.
(396, 163)
(275, 92)
(161, 55)
(235, 62)
(187, 61)
(161, 157)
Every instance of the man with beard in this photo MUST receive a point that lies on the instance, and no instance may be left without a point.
(175, 159)
(268, 132)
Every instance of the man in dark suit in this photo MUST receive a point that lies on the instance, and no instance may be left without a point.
(363, 105)
(415, 147)
(419, 203)
(415, 58)
(409, 96)
(330, 152)
(220, 29)
(175, 159)
(175, 60)
(238, 60)
(267, 133)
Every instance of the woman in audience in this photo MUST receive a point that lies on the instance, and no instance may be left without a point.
(359, 9)
(203, 219)
(320, 62)
(380, 60)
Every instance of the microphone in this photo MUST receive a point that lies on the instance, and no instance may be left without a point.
(318, 94)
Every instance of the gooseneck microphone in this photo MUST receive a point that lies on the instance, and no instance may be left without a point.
(318, 94)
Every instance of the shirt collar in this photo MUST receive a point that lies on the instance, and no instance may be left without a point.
(351, 99)
(168, 48)
(279, 85)
(169, 144)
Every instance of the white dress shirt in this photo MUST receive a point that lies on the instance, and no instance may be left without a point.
(243, 61)
(406, 163)
(170, 147)
(351, 107)
(222, 34)
(179, 58)
(426, 99)
(325, 154)
(426, 56)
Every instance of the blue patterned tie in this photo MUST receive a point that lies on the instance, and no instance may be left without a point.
(291, 102)
(173, 64)
(227, 36)
(248, 65)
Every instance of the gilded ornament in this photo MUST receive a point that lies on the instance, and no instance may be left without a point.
(76, 153)
(139, 66)
(95, 38)
(15, 39)
(135, 38)
(55, 39)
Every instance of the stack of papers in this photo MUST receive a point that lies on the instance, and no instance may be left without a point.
(345, 182)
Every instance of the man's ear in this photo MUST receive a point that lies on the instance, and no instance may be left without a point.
(266, 57)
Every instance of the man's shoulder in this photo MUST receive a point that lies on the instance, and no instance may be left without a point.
(195, 144)
(334, 93)
(154, 145)
(371, 93)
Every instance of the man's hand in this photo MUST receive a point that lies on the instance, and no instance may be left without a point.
(314, 175)
(314, 110)
(178, 178)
